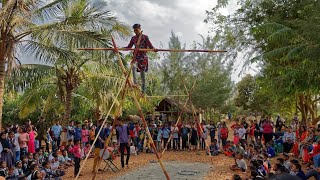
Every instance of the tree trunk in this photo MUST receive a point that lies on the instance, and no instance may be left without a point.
(2, 78)
(97, 114)
(67, 106)
(302, 108)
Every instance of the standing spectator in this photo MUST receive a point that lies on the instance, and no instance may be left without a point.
(123, 139)
(204, 137)
(6, 154)
(136, 134)
(76, 150)
(159, 138)
(14, 146)
(98, 145)
(92, 135)
(267, 131)
(219, 131)
(184, 135)
(245, 125)
(194, 138)
(176, 141)
(242, 135)
(77, 132)
(84, 135)
(56, 132)
(31, 143)
(212, 132)
(224, 132)
(23, 141)
(70, 131)
(165, 136)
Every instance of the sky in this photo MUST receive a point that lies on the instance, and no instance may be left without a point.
(159, 17)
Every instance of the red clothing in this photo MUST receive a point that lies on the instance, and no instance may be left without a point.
(224, 132)
(76, 151)
(267, 128)
(252, 128)
(303, 135)
(141, 58)
(234, 126)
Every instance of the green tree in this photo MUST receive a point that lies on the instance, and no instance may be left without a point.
(61, 27)
(172, 67)
(245, 90)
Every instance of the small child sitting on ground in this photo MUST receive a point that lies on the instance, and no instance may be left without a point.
(214, 148)
(240, 163)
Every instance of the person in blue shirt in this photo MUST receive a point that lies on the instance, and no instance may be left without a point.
(212, 132)
(165, 134)
(184, 131)
(56, 131)
(77, 132)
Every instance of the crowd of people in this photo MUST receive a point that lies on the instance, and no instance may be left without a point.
(294, 148)
(24, 154)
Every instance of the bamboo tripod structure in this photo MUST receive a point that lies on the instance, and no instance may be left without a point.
(179, 118)
(130, 84)
(198, 124)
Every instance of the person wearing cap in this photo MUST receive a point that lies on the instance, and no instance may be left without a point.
(141, 57)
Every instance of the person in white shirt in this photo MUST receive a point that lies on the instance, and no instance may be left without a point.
(242, 135)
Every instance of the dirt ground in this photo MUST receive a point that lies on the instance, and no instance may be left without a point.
(220, 169)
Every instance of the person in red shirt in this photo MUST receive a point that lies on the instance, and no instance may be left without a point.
(224, 132)
(76, 151)
(141, 57)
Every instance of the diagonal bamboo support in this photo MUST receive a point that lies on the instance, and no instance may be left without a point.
(179, 118)
(118, 112)
(140, 110)
(197, 121)
(103, 123)
(123, 89)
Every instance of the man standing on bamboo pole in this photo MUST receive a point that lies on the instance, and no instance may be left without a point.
(141, 57)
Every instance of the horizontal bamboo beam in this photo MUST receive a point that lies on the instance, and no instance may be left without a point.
(155, 50)
(166, 96)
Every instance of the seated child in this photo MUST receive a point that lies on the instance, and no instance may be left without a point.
(240, 163)
(133, 149)
(11, 174)
(49, 173)
(229, 149)
(64, 159)
(3, 169)
(18, 170)
(266, 162)
(249, 151)
(214, 148)
(270, 150)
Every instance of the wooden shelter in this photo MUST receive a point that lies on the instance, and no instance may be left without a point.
(170, 108)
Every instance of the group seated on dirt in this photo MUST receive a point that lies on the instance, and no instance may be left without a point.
(255, 142)
(273, 150)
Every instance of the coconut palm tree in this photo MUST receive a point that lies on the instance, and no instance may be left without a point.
(51, 31)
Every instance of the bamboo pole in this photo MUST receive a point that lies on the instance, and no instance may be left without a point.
(121, 103)
(197, 121)
(103, 123)
(140, 110)
(179, 118)
(166, 96)
(155, 50)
